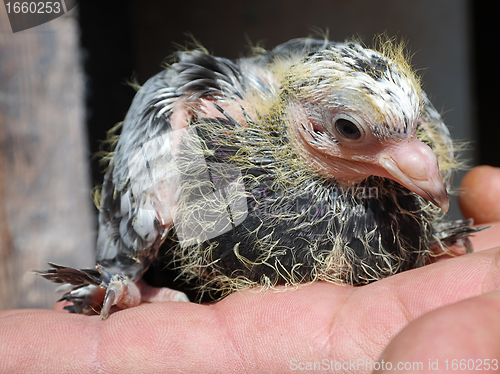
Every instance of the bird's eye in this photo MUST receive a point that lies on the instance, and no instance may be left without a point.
(347, 129)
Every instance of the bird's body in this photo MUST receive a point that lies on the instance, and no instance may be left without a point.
(314, 161)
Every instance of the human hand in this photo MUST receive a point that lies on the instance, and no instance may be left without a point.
(272, 331)
(463, 335)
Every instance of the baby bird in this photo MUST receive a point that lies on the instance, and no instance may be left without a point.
(313, 161)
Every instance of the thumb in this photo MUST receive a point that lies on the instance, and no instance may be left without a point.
(479, 194)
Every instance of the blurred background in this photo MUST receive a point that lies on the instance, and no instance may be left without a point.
(64, 84)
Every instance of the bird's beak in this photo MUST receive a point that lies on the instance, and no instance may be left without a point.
(414, 165)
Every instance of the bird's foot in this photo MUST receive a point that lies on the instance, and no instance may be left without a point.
(121, 292)
(457, 247)
(125, 293)
(84, 292)
(83, 300)
(151, 294)
(97, 291)
(452, 238)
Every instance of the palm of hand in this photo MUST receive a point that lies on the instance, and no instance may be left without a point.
(252, 331)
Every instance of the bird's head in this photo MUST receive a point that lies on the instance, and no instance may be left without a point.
(353, 113)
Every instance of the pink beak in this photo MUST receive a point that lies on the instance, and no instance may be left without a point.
(414, 165)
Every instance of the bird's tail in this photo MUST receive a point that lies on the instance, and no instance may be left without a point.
(86, 287)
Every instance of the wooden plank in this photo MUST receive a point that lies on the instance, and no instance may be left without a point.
(45, 203)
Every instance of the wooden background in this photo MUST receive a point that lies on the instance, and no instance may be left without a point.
(45, 205)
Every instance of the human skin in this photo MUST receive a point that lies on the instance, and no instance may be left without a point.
(467, 331)
(481, 203)
(448, 309)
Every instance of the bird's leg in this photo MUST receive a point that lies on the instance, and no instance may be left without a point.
(124, 293)
(452, 238)
(455, 247)
(151, 294)
(121, 292)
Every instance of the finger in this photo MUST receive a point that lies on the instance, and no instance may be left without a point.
(60, 305)
(464, 335)
(479, 192)
(229, 336)
(488, 238)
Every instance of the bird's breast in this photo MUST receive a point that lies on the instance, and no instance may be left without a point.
(244, 220)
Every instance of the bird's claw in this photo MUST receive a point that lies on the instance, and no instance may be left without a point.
(121, 292)
(452, 238)
(85, 300)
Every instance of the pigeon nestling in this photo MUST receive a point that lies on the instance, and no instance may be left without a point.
(314, 161)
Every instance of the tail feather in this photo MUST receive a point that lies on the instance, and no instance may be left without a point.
(76, 277)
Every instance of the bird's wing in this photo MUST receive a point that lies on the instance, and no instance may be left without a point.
(140, 189)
